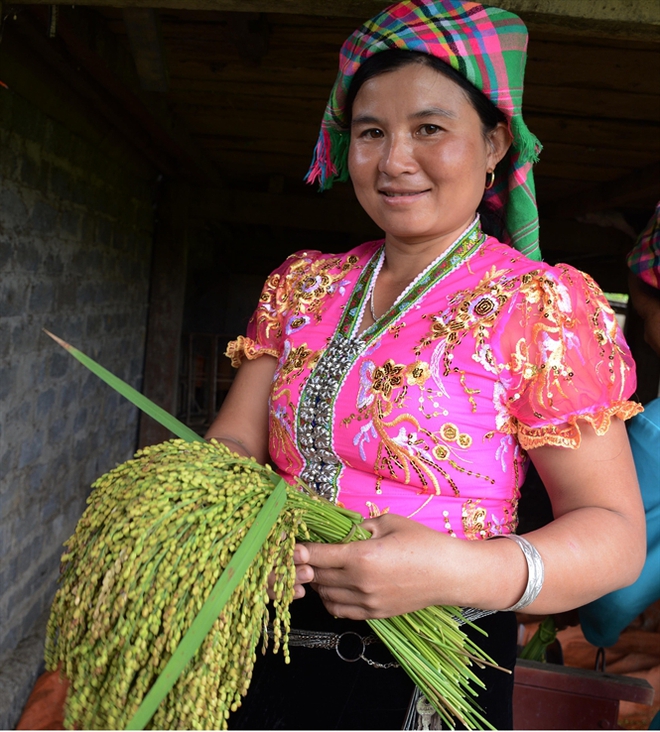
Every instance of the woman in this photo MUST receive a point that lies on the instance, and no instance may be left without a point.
(412, 379)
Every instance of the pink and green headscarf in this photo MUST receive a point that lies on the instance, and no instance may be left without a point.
(488, 46)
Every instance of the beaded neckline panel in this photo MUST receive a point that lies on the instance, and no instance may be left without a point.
(322, 466)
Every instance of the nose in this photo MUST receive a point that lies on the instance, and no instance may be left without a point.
(397, 156)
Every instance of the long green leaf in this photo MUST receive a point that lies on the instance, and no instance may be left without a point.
(229, 579)
(134, 396)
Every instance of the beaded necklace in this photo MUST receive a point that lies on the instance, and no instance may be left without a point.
(418, 278)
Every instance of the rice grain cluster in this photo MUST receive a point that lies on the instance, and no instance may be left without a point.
(156, 535)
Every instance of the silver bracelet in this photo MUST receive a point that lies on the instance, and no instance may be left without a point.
(535, 571)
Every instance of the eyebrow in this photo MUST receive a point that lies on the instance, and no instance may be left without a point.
(432, 112)
(365, 119)
(368, 119)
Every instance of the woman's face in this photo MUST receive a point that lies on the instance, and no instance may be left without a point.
(418, 157)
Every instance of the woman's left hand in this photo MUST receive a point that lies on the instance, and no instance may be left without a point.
(388, 574)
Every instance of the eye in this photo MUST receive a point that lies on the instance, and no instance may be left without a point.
(427, 130)
(373, 133)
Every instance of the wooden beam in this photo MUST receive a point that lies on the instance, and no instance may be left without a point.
(316, 212)
(166, 302)
(634, 19)
(143, 28)
(640, 185)
(250, 36)
(55, 54)
(84, 40)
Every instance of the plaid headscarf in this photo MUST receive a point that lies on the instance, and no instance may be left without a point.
(488, 46)
(644, 259)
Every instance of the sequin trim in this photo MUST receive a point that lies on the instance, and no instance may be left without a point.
(322, 465)
(569, 434)
(243, 346)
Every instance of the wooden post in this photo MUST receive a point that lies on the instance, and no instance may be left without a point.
(166, 301)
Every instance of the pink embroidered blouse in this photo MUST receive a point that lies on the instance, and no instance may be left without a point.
(429, 412)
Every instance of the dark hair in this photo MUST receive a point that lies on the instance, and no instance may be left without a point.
(490, 116)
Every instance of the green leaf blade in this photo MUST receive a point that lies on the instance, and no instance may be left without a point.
(226, 584)
(133, 395)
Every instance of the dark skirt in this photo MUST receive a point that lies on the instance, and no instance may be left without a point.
(320, 691)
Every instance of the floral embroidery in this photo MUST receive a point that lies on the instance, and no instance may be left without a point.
(417, 374)
(431, 411)
(387, 377)
(296, 359)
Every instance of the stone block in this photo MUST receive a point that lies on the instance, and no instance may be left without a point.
(30, 172)
(69, 393)
(31, 616)
(24, 337)
(29, 556)
(28, 257)
(8, 372)
(6, 253)
(31, 448)
(62, 183)
(86, 294)
(53, 266)
(38, 367)
(44, 577)
(5, 462)
(59, 364)
(70, 223)
(5, 339)
(65, 266)
(89, 390)
(42, 297)
(37, 476)
(51, 507)
(45, 402)
(13, 298)
(58, 431)
(80, 420)
(66, 294)
(43, 219)
(7, 503)
(104, 232)
(9, 161)
(18, 416)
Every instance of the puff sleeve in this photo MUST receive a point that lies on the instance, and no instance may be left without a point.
(265, 331)
(563, 359)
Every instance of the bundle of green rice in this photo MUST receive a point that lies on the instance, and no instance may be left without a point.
(163, 596)
(153, 543)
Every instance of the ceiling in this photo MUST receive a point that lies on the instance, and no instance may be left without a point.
(239, 98)
(251, 88)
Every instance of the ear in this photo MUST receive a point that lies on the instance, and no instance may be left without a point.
(499, 142)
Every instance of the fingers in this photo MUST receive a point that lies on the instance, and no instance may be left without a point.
(301, 554)
(304, 574)
(345, 604)
(326, 556)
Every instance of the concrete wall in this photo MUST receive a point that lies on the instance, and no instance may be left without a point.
(75, 245)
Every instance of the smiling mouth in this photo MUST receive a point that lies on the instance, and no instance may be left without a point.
(402, 194)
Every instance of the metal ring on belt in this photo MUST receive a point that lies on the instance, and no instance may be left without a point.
(331, 641)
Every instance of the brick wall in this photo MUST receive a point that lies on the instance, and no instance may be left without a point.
(75, 241)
